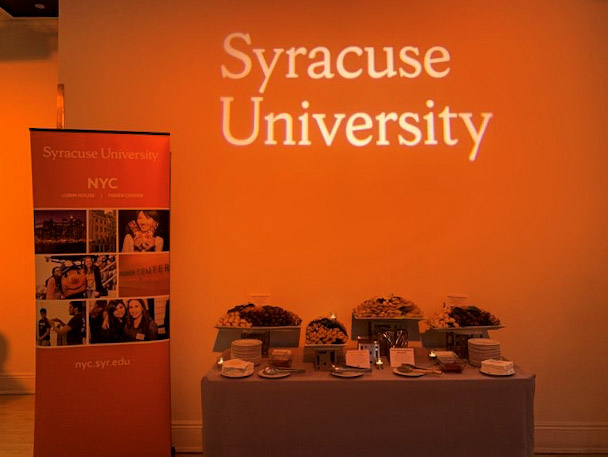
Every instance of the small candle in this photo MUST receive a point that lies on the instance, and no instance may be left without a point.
(332, 316)
(220, 361)
(432, 355)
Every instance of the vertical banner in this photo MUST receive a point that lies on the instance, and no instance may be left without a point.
(101, 233)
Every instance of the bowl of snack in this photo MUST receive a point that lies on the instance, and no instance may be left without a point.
(253, 316)
(463, 317)
(326, 331)
(387, 307)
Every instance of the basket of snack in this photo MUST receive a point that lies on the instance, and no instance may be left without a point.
(253, 316)
(463, 319)
(390, 307)
(326, 331)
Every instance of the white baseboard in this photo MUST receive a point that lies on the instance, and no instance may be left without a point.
(571, 437)
(17, 383)
(550, 437)
(187, 436)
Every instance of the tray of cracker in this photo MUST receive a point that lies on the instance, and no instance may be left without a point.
(388, 308)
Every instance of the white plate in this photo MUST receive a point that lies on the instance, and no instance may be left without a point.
(347, 374)
(411, 374)
(274, 376)
(497, 375)
(237, 375)
(482, 343)
(249, 343)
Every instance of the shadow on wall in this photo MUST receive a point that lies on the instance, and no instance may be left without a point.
(8, 384)
(34, 39)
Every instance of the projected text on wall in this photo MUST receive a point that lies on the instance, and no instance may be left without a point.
(430, 125)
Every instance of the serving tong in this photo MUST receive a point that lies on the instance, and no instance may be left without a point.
(337, 369)
(275, 370)
(409, 368)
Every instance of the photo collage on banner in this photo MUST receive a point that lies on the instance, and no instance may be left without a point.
(101, 254)
(102, 276)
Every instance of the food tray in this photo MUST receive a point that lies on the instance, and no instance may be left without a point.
(325, 346)
(453, 367)
(284, 327)
(400, 318)
(471, 329)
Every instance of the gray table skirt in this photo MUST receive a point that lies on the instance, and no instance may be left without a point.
(316, 414)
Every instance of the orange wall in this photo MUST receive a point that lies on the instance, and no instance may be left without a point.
(28, 80)
(521, 229)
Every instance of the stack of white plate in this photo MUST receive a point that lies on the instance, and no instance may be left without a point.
(481, 349)
(249, 350)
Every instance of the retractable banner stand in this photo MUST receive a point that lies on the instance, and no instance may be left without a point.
(101, 231)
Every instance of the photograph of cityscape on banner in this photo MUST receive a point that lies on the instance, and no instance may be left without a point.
(60, 231)
(102, 230)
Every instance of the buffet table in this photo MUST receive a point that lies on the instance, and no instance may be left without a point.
(316, 414)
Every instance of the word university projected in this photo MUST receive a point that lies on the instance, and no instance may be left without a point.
(426, 124)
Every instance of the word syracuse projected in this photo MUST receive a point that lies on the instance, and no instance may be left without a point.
(359, 128)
